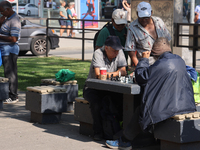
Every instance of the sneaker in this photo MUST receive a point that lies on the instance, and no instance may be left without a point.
(119, 144)
(10, 101)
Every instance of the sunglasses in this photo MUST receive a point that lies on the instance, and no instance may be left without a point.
(120, 25)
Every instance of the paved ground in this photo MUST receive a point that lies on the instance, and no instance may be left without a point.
(18, 133)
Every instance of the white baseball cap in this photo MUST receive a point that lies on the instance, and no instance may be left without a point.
(144, 9)
(119, 16)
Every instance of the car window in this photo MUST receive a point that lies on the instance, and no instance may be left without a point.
(22, 4)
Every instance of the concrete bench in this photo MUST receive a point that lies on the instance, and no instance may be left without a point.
(181, 132)
(83, 114)
(4, 90)
(72, 90)
(46, 103)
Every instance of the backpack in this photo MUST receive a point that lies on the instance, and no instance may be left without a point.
(109, 26)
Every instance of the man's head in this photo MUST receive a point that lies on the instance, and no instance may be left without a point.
(112, 46)
(144, 12)
(119, 19)
(6, 9)
(160, 46)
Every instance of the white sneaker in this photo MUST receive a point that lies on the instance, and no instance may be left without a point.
(10, 101)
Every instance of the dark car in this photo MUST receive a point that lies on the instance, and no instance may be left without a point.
(36, 44)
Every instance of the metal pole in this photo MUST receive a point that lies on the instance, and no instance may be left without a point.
(195, 44)
(47, 43)
(83, 39)
(192, 7)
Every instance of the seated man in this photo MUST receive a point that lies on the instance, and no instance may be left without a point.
(110, 56)
(167, 92)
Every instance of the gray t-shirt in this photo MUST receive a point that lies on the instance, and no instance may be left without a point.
(100, 60)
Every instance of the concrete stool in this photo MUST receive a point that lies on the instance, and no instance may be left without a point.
(181, 132)
(46, 103)
(83, 114)
(4, 90)
(72, 90)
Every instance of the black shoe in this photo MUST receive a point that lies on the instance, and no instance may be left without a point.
(98, 137)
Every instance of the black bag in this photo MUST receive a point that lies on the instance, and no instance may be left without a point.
(109, 26)
(110, 29)
(110, 118)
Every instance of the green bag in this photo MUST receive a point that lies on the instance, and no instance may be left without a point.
(65, 75)
(196, 89)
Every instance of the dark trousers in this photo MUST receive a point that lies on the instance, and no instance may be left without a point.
(10, 72)
(133, 128)
(95, 99)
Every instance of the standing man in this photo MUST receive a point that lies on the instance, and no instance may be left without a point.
(10, 28)
(111, 57)
(118, 28)
(143, 32)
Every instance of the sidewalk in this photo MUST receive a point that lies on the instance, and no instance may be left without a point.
(18, 133)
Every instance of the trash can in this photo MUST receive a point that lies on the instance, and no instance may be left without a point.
(108, 11)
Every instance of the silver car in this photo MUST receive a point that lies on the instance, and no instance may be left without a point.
(26, 9)
(36, 44)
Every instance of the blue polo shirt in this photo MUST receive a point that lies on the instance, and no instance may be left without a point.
(10, 27)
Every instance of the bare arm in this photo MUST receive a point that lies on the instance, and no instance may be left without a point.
(124, 4)
(133, 57)
(9, 38)
(116, 73)
(61, 14)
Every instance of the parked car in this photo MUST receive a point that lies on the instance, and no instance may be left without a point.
(26, 9)
(37, 44)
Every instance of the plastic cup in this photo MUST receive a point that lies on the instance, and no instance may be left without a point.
(103, 73)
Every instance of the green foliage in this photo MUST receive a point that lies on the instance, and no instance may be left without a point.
(32, 70)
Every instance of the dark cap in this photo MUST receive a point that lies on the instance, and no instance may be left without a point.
(114, 42)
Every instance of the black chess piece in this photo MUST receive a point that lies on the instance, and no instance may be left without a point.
(107, 76)
(111, 78)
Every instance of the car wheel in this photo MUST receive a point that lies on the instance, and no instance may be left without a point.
(38, 46)
(28, 13)
(22, 53)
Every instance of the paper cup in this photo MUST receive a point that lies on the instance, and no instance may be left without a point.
(103, 73)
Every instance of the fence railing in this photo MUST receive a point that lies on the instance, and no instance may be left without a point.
(83, 29)
(192, 36)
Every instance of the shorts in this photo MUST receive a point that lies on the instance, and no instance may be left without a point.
(62, 22)
(69, 23)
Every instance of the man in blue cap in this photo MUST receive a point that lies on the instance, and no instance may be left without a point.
(111, 57)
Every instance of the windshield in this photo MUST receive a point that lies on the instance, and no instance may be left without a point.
(22, 4)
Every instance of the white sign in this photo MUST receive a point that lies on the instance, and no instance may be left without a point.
(12, 1)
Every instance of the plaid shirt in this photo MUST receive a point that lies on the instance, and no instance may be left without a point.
(138, 39)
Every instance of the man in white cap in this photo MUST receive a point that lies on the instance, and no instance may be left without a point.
(118, 28)
(143, 32)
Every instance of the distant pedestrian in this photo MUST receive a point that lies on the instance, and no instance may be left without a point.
(185, 8)
(69, 22)
(63, 15)
(10, 28)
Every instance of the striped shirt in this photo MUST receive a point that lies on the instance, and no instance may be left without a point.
(11, 27)
(138, 39)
